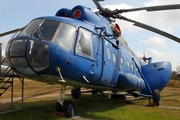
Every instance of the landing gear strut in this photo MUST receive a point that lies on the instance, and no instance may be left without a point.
(156, 97)
(67, 107)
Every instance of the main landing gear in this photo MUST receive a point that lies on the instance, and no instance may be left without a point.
(64, 106)
(76, 93)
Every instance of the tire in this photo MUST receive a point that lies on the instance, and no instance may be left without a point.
(58, 107)
(114, 91)
(156, 97)
(76, 93)
(68, 108)
(94, 92)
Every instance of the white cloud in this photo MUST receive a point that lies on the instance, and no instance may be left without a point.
(166, 17)
(155, 41)
(138, 54)
(116, 6)
(164, 20)
(157, 54)
(160, 2)
(164, 56)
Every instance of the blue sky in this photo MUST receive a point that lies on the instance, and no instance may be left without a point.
(17, 13)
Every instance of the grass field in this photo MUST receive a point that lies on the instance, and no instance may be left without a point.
(93, 106)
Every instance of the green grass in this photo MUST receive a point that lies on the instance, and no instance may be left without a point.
(108, 109)
(96, 107)
(37, 109)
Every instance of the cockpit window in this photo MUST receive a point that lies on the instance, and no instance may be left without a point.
(65, 37)
(41, 29)
(28, 30)
(84, 42)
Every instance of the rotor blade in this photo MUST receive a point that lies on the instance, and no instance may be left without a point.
(147, 27)
(152, 8)
(9, 32)
(97, 4)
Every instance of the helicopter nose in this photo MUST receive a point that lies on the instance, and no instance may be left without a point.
(38, 55)
(28, 56)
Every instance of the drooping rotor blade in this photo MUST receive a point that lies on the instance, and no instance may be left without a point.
(97, 4)
(9, 32)
(147, 27)
(152, 8)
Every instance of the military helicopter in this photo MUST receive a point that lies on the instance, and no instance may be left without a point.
(81, 48)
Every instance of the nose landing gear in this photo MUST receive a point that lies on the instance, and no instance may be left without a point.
(156, 97)
(64, 106)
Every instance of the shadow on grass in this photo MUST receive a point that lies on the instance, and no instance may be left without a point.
(33, 110)
(95, 105)
(87, 106)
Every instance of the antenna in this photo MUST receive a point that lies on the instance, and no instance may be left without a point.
(143, 49)
(144, 56)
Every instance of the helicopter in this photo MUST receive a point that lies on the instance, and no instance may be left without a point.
(82, 48)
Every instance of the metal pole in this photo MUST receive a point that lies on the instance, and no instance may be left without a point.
(22, 92)
(0, 55)
(12, 91)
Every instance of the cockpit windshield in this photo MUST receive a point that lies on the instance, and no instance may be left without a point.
(41, 29)
(45, 29)
(65, 36)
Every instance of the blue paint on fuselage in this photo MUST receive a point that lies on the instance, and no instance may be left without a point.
(109, 63)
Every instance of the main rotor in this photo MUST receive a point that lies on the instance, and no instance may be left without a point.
(116, 14)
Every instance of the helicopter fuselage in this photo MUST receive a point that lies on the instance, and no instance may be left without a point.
(79, 47)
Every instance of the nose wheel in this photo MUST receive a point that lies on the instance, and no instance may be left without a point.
(64, 106)
(156, 97)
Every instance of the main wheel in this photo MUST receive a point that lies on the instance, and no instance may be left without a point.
(68, 108)
(76, 93)
(58, 107)
(94, 92)
(156, 97)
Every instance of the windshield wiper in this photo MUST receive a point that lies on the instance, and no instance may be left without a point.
(38, 31)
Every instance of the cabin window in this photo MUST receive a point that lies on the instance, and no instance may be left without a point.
(128, 65)
(108, 53)
(114, 57)
(84, 42)
(132, 68)
(106, 42)
(65, 37)
(136, 71)
(122, 61)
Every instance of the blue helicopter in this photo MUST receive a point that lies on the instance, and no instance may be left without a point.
(81, 48)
